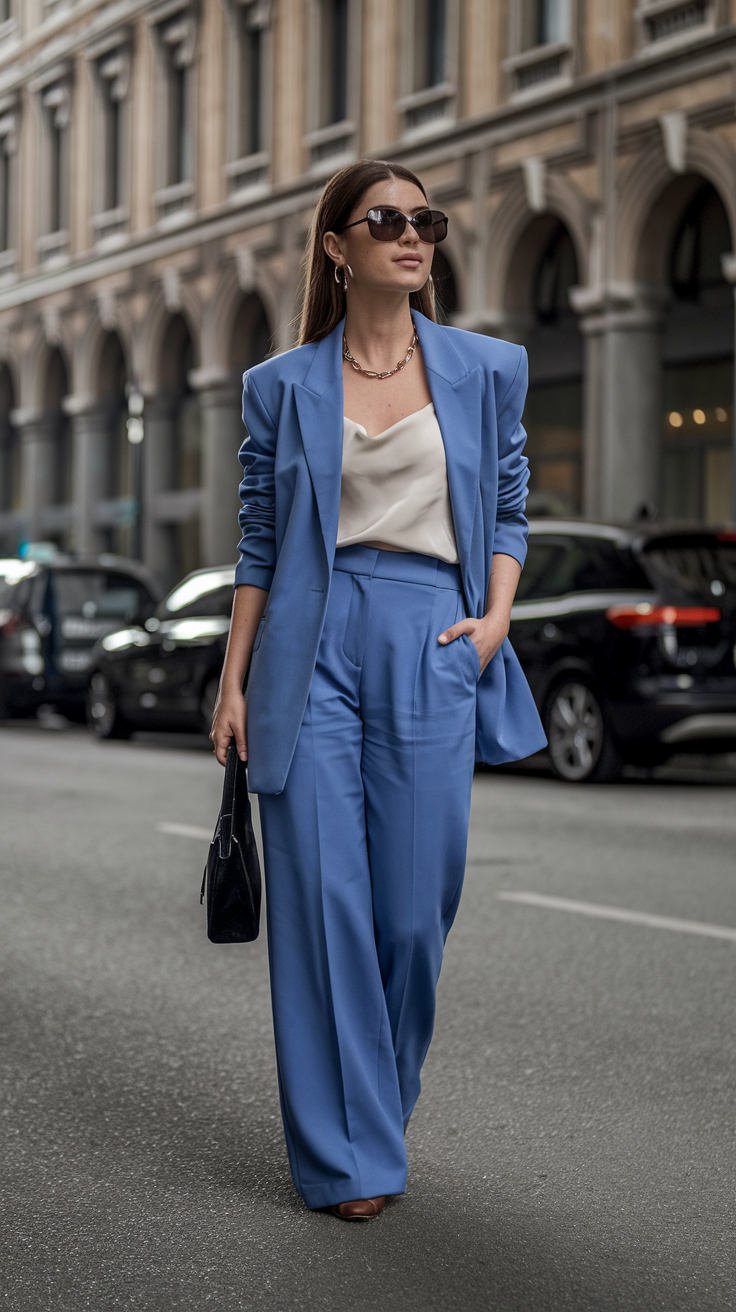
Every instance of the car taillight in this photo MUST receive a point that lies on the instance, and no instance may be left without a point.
(646, 616)
(726, 537)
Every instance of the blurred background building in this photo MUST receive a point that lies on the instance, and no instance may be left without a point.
(159, 163)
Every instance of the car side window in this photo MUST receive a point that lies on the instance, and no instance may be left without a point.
(577, 564)
(539, 567)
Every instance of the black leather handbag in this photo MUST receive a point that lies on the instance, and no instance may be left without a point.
(232, 876)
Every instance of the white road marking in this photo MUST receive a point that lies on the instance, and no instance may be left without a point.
(618, 913)
(184, 831)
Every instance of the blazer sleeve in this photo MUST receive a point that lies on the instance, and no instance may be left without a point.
(512, 529)
(257, 517)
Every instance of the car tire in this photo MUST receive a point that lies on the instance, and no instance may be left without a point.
(103, 716)
(581, 746)
(207, 703)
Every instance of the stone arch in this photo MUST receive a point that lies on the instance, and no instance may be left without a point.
(227, 304)
(148, 341)
(563, 201)
(651, 198)
(33, 372)
(89, 349)
(251, 338)
(176, 356)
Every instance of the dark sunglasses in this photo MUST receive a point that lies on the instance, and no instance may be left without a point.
(390, 225)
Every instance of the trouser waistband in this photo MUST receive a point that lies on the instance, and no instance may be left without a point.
(402, 566)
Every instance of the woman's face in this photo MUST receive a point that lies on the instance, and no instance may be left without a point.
(384, 266)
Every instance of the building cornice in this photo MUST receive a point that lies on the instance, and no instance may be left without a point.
(629, 81)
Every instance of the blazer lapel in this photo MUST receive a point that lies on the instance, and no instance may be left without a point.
(457, 396)
(319, 406)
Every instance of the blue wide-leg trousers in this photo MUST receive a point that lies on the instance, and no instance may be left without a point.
(364, 860)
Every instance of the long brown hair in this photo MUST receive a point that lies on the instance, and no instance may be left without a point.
(324, 299)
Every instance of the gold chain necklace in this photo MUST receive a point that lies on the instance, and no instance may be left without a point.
(371, 373)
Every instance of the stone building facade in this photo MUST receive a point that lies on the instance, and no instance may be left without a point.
(159, 164)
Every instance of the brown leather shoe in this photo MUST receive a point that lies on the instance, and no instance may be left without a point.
(359, 1209)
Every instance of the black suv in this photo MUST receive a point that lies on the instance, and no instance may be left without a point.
(51, 616)
(626, 636)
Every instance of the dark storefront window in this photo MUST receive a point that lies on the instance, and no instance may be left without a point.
(697, 427)
(553, 416)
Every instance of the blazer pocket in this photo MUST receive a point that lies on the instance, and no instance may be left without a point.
(259, 634)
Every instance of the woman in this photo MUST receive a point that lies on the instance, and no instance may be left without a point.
(383, 538)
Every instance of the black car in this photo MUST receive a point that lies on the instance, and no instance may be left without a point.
(626, 636)
(52, 613)
(164, 673)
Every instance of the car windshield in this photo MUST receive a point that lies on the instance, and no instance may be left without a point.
(210, 593)
(98, 594)
(695, 567)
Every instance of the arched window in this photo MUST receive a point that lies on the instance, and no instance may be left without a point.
(698, 367)
(557, 272)
(553, 413)
(251, 335)
(56, 388)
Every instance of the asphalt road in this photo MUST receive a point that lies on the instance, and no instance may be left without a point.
(573, 1147)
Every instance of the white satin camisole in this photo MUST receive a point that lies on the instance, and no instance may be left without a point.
(394, 487)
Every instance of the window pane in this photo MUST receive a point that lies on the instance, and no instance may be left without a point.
(553, 421)
(560, 565)
(333, 61)
(697, 437)
(430, 43)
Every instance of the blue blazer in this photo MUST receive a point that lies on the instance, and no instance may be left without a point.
(292, 458)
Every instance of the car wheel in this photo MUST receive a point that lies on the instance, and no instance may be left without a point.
(207, 703)
(581, 748)
(103, 717)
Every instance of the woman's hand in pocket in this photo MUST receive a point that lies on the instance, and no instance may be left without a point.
(230, 721)
(486, 635)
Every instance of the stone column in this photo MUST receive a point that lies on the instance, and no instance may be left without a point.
(91, 441)
(222, 435)
(38, 461)
(159, 551)
(622, 420)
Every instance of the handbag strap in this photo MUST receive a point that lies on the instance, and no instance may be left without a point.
(228, 800)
